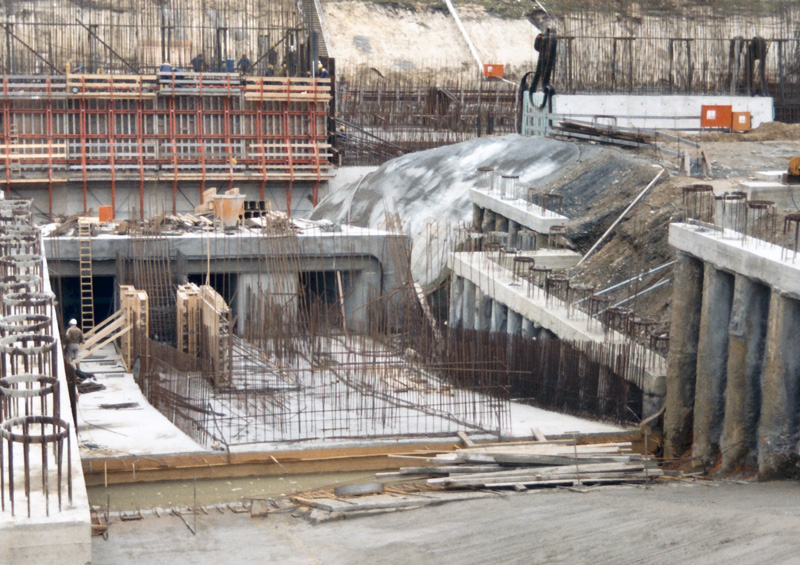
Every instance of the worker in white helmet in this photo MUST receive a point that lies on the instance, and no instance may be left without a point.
(74, 339)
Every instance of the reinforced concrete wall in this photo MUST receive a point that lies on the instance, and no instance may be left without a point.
(733, 378)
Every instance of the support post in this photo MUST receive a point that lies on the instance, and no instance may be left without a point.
(468, 305)
(499, 317)
(514, 325)
(778, 426)
(484, 321)
(456, 301)
(712, 363)
(682, 357)
(748, 328)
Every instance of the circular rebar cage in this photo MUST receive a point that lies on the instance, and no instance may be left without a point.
(20, 434)
(15, 303)
(24, 264)
(485, 178)
(19, 393)
(28, 353)
(26, 323)
(20, 283)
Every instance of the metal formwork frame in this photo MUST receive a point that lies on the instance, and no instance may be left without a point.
(137, 128)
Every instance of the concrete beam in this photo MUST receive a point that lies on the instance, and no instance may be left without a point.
(759, 260)
(524, 213)
(747, 333)
(712, 363)
(778, 425)
(682, 358)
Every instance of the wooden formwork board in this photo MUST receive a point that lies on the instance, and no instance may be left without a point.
(135, 306)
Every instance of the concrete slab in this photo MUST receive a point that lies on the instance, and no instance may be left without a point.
(781, 194)
(770, 176)
(529, 215)
(104, 431)
(727, 250)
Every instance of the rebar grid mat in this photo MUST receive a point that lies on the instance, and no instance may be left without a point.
(32, 303)
(761, 220)
(152, 273)
(585, 378)
(698, 202)
(791, 228)
(26, 323)
(19, 393)
(21, 432)
(28, 353)
(27, 264)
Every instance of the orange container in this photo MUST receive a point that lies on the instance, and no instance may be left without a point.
(493, 71)
(106, 213)
(716, 116)
(741, 121)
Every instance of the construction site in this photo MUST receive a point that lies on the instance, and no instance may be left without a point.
(338, 280)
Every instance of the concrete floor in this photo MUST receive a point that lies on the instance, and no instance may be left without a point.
(721, 522)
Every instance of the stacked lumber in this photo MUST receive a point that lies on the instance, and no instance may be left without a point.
(533, 464)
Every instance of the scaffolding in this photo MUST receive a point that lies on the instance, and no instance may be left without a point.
(190, 127)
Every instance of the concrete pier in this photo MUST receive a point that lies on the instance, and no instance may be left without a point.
(484, 318)
(469, 306)
(488, 221)
(499, 317)
(746, 337)
(456, 302)
(514, 325)
(709, 407)
(748, 355)
(682, 358)
(778, 425)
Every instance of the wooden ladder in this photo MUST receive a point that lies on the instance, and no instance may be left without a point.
(87, 292)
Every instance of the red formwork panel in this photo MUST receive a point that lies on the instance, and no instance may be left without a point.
(493, 71)
(716, 116)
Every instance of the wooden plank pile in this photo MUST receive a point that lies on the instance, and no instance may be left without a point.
(533, 464)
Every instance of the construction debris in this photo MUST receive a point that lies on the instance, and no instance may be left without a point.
(534, 464)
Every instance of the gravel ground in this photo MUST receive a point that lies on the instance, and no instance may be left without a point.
(674, 522)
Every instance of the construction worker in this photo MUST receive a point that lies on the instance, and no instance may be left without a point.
(322, 72)
(198, 63)
(284, 72)
(244, 64)
(74, 339)
(270, 71)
